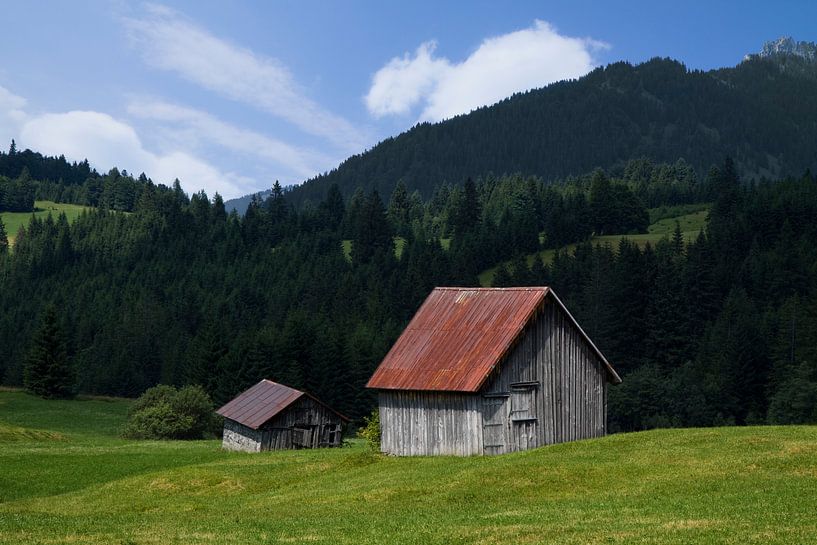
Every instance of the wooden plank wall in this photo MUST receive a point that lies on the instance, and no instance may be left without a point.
(570, 397)
(430, 423)
(305, 411)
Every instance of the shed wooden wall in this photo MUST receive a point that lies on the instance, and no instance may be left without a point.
(430, 423)
(551, 388)
(566, 380)
(305, 413)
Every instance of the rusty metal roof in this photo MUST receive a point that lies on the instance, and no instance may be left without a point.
(459, 335)
(257, 405)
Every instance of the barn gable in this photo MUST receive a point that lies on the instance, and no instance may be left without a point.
(543, 381)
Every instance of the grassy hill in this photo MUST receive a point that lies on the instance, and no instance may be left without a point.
(67, 478)
(14, 220)
(691, 218)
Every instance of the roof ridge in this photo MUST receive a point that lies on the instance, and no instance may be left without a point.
(517, 288)
(455, 341)
(280, 384)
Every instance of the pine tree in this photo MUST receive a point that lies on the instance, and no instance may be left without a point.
(466, 212)
(398, 211)
(678, 240)
(48, 372)
(502, 278)
(206, 356)
(333, 208)
(373, 232)
(4, 241)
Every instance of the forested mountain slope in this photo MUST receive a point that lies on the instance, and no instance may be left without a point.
(719, 330)
(762, 113)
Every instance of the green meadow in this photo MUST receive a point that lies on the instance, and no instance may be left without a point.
(67, 478)
(690, 218)
(14, 220)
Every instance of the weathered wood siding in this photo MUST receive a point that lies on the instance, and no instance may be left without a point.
(550, 388)
(556, 386)
(430, 423)
(304, 424)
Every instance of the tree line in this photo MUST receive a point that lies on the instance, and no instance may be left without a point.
(715, 330)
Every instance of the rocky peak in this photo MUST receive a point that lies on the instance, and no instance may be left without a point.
(787, 46)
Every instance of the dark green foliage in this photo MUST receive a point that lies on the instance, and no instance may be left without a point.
(371, 430)
(17, 195)
(614, 208)
(795, 400)
(372, 231)
(163, 412)
(708, 331)
(48, 373)
(4, 241)
(399, 208)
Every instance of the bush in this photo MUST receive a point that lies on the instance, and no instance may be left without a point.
(795, 401)
(163, 412)
(371, 430)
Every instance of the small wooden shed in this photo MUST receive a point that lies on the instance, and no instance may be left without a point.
(271, 416)
(490, 371)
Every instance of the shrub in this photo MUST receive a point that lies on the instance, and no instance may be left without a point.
(163, 412)
(371, 430)
(795, 401)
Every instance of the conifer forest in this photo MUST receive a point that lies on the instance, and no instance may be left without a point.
(151, 285)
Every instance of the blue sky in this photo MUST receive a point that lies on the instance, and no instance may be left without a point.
(229, 97)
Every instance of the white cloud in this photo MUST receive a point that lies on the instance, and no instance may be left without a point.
(500, 66)
(107, 142)
(189, 127)
(170, 42)
(399, 86)
(12, 115)
(189, 135)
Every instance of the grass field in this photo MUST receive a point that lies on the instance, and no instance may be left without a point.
(67, 478)
(14, 220)
(691, 218)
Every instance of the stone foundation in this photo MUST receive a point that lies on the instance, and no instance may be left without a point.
(240, 437)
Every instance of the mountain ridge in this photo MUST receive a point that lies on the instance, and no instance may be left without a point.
(659, 109)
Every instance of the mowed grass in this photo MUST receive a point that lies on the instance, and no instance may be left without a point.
(722, 485)
(690, 218)
(14, 220)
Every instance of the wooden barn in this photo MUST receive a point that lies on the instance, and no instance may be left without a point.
(272, 416)
(490, 371)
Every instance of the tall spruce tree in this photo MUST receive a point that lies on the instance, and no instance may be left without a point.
(48, 372)
(4, 241)
(373, 233)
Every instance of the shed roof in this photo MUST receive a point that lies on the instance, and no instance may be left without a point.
(257, 405)
(459, 335)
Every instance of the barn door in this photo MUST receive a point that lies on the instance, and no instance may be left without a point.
(494, 423)
(330, 435)
(523, 415)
